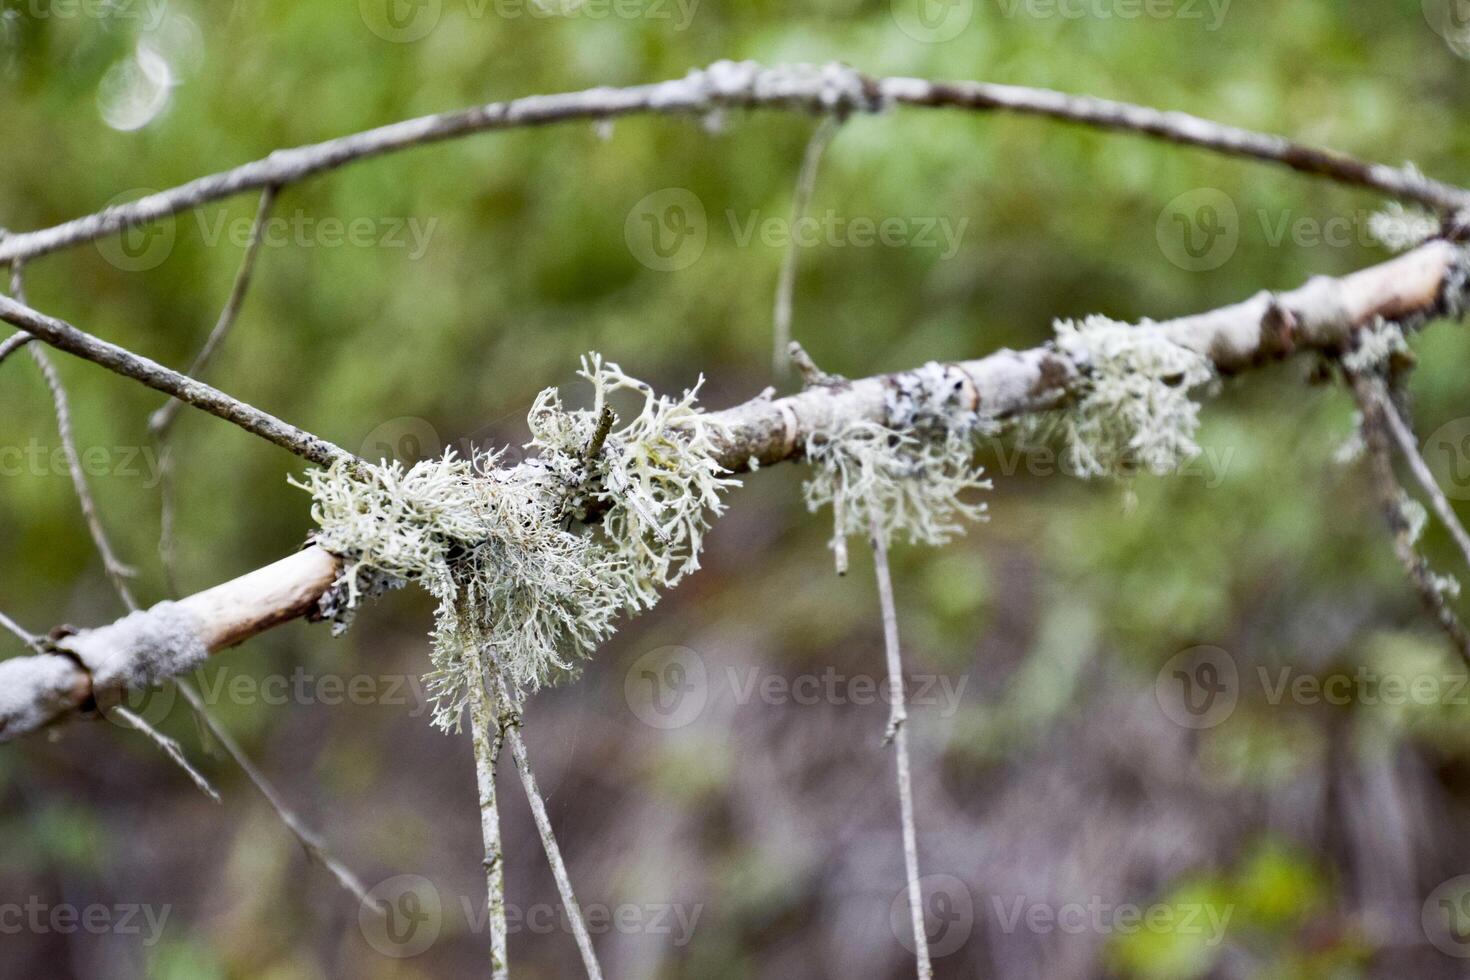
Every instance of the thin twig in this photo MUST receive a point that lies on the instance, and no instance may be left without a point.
(806, 183)
(160, 424)
(14, 343)
(26, 637)
(897, 733)
(162, 420)
(115, 569)
(310, 842)
(488, 735)
(64, 336)
(1391, 498)
(1409, 448)
(833, 89)
(170, 748)
(511, 725)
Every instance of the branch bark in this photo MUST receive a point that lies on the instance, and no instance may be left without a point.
(1426, 282)
(832, 89)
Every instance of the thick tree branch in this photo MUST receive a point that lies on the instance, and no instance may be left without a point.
(1427, 282)
(832, 89)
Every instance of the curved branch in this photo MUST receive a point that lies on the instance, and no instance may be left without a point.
(1432, 280)
(832, 89)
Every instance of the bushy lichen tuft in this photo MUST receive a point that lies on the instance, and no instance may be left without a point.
(1133, 410)
(911, 477)
(505, 551)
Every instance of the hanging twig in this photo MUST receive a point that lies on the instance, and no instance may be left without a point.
(897, 734)
(169, 746)
(310, 842)
(510, 724)
(806, 183)
(14, 343)
(1409, 447)
(115, 569)
(162, 420)
(488, 736)
(1367, 391)
(29, 639)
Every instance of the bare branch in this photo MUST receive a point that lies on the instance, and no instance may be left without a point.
(116, 570)
(832, 89)
(64, 336)
(1371, 397)
(1409, 447)
(806, 183)
(898, 734)
(170, 748)
(1426, 282)
(488, 736)
(510, 724)
(310, 842)
(26, 637)
(14, 343)
(162, 420)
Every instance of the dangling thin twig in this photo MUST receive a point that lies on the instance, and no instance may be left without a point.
(116, 570)
(897, 733)
(488, 736)
(511, 725)
(310, 842)
(1370, 396)
(169, 746)
(26, 637)
(1409, 447)
(806, 182)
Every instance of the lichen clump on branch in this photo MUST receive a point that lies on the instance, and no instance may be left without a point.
(911, 476)
(522, 583)
(1133, 410)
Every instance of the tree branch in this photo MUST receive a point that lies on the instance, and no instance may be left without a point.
(64, 336)
(832, 89)
(1427, 282)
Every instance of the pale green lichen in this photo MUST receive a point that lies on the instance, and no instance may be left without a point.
(1377, 345)
(1400, 228)
(912, 477)
(1133, 409)
(500, 548)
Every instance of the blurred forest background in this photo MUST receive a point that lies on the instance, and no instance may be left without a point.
(1052, 769)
